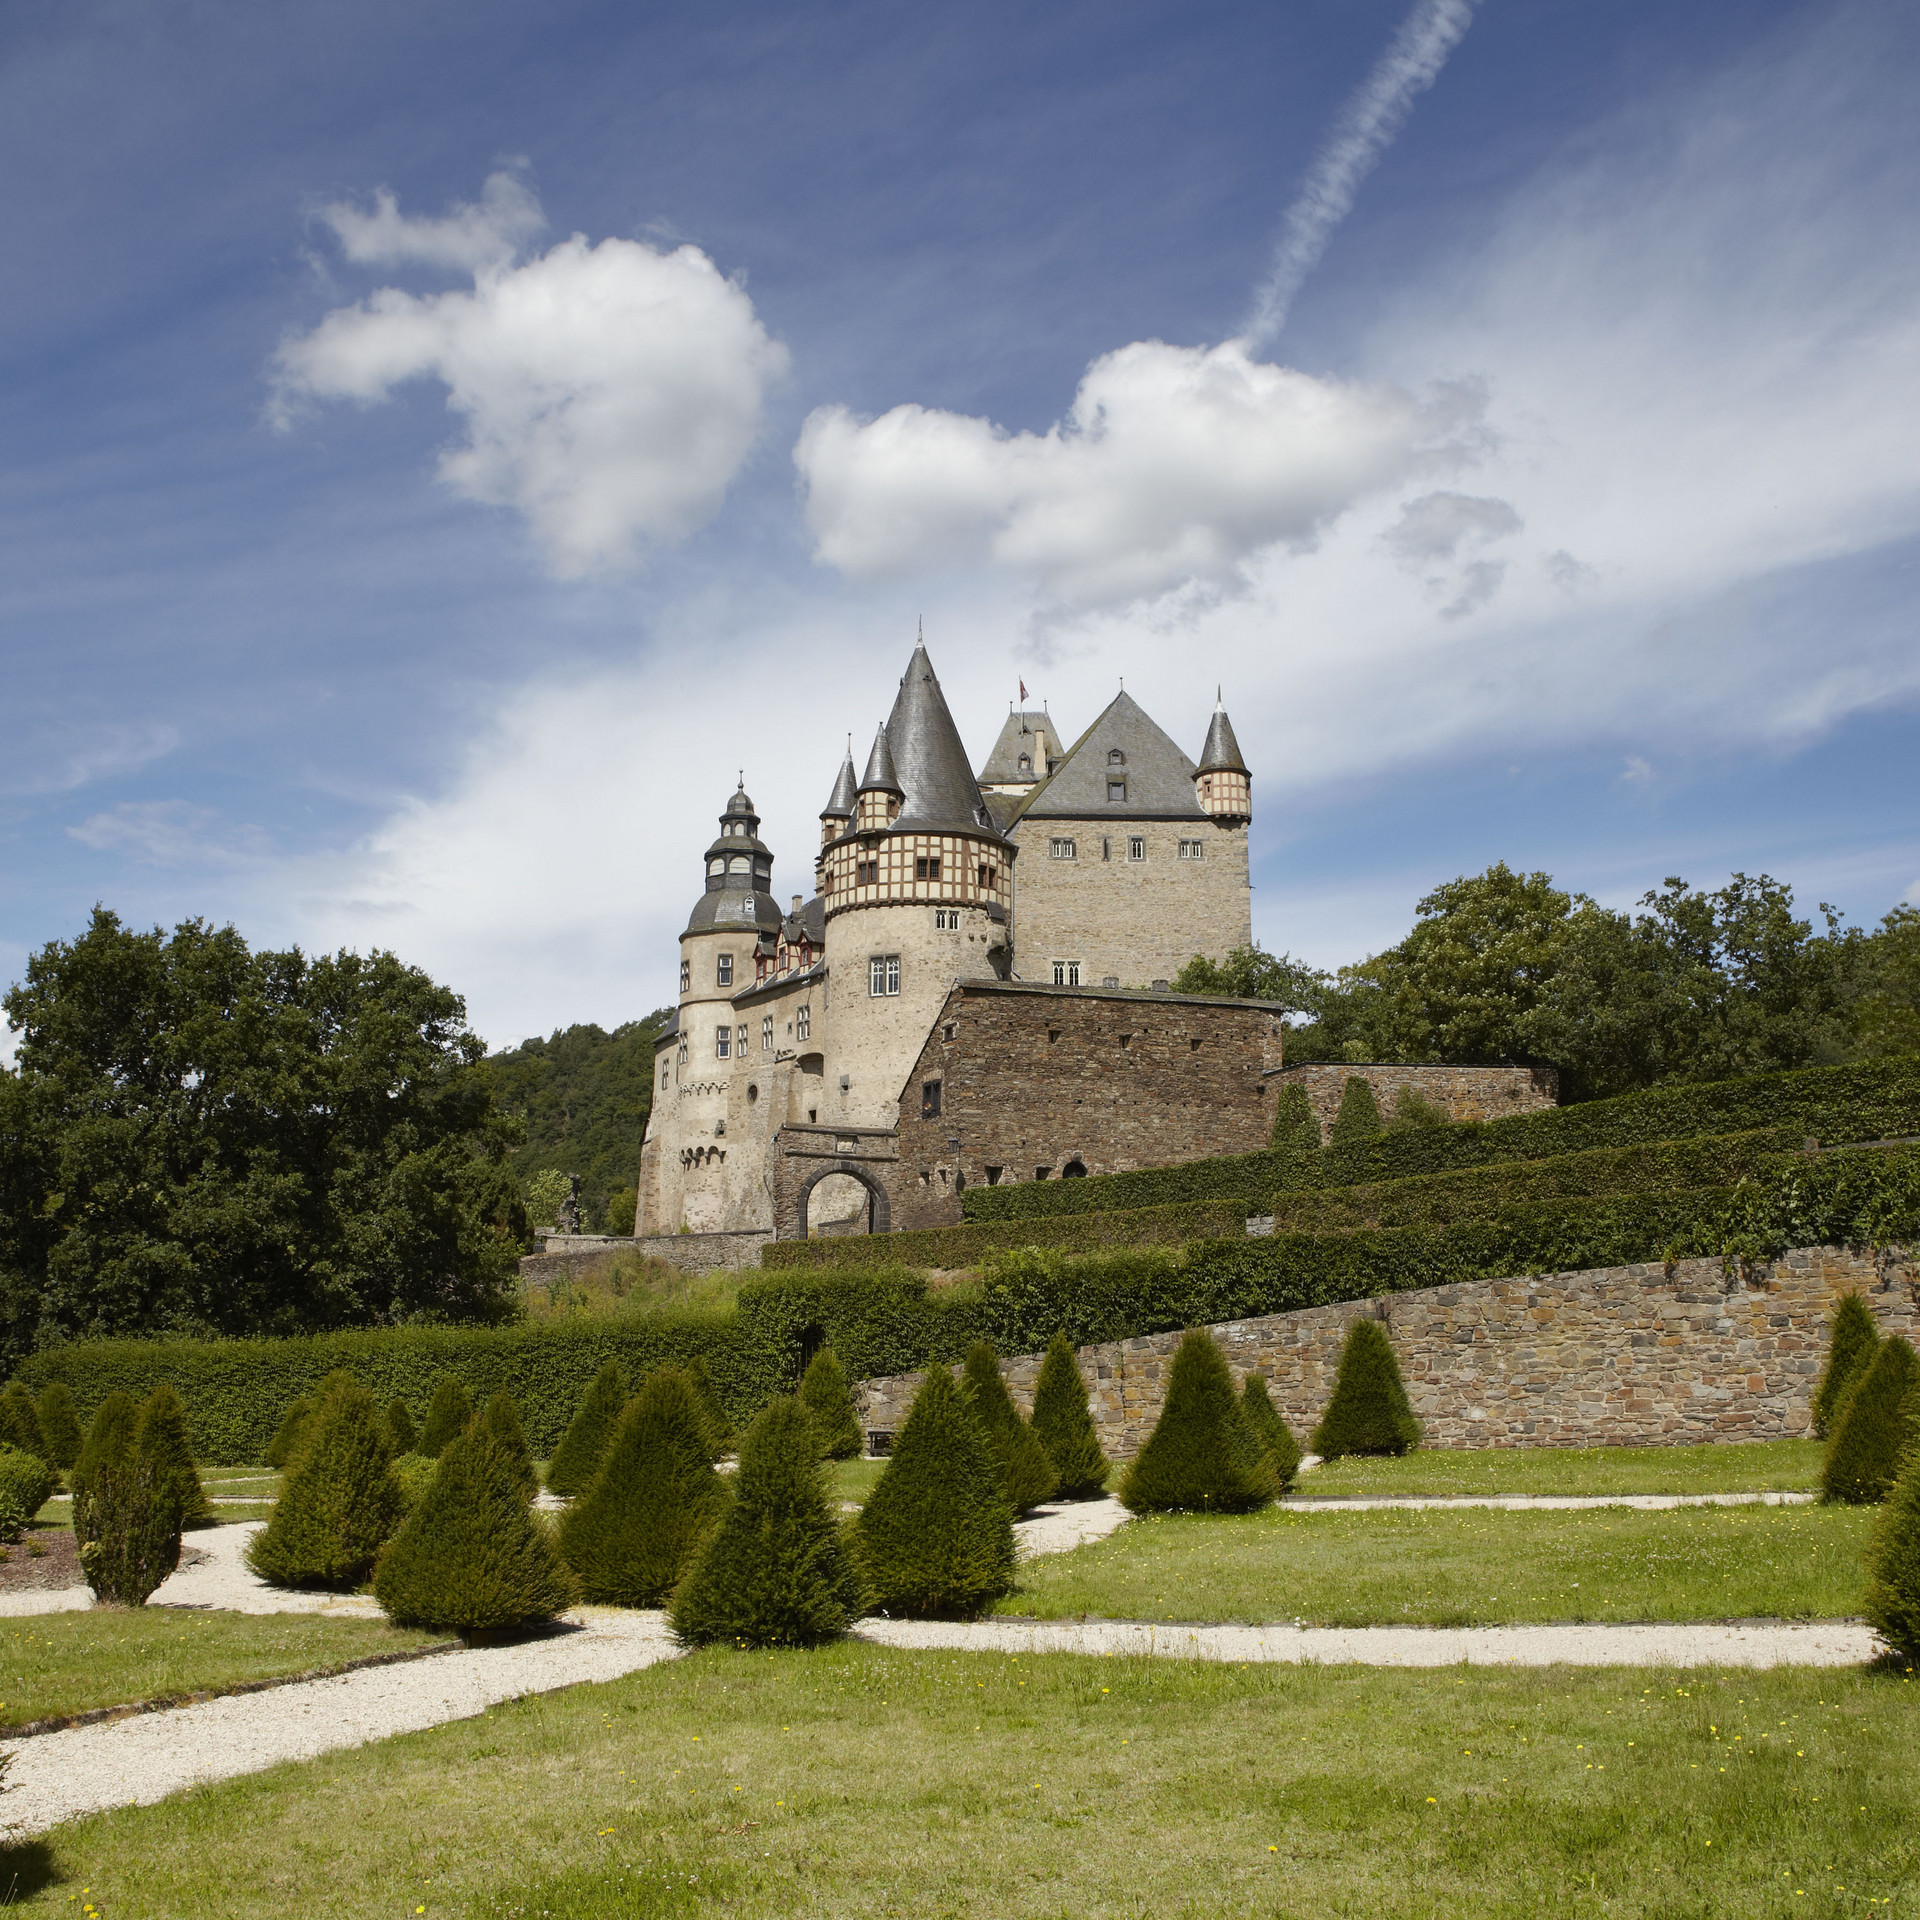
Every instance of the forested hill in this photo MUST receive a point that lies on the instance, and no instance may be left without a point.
(584, 1094)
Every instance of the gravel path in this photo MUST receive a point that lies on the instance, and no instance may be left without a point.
(1073, 1523)
(1544, 1502)
(132, 1762)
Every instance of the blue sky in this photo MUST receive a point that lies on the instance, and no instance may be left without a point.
(375, 573)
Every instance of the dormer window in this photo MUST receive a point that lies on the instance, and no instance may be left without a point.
(1117, 791)
(1026, 763)
(1115, 758)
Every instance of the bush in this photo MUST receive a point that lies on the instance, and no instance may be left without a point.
(577, 1458)
(1369, 1411)
(402, 1435)
(413, 1473)
(500, 1417)
(713, 1416)
(1870, 1430)
(777, 1572)
(20, 1420)
(25, 1482)
(1277, 1444)
(448, 1415)
(1893, 1558)
(286, 1436)
(472, 1555)
(110, 1435)
(1026, 1474)
(163, 1425)
(829, 1405)
(134, 1511)
(1064, 1424)
(1201, 1457)
(1850, 1352)
(340, 1501)
(1296, 1132)
(935, 1539)
(632, 1536)
(622, 1204)
(59, 1425)
(1356, 1126)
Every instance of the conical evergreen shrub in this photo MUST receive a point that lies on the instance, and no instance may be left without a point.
(1850, 1352)
(1026, 1474)
(286, 1436)
(935, 1539)
(413, 1472)
(721, 1436)
(163, 1433)
(584, 1444)
(448, 1413)
(134, 1494)
(1369, 1411)
(402, 1435)
(829, 1405)
(776, 1572)
(1893, 1557)
(20, 1420)
(59, 1426)
(1870, 1433)
(501, 1418)
(472, 1555)
(1201, 1456)
(1064, 1424)
(631, 1537)
(1276, 1439)
(1355, 1127)
(339, 1503)
(1296, 1137)
(109, 1436)
(25, 1482)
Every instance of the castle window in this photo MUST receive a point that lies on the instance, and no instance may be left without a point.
(716, 866)
(986, 879)
(866, 873)
(723, 970)
(930, 1100)
(682, 1060)
(1066, 973)
(766, 1034)
(686, 975)
(1112, 980)
(739, 863)
(883, 975)
(1106, 849)
(1136, 846)
(1115, 758)
(803, 1024)
(743, 1039)
(722, 1042)
(1026, 763)
(993, 1175)
(1193, 849)
(1060, 849)
(927, 867)
(1116, 791)
(946, 919)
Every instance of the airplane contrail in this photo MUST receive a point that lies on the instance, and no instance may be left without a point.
(1371, 117)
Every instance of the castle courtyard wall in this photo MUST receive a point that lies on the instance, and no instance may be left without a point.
(1462, 1093)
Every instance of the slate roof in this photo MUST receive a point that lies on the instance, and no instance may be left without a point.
(1022, 734)
(939, 792)
(1222, 751)
(1159, 777)
(880, 769)
(846, 792)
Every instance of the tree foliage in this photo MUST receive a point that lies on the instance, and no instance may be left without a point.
(402, 1435)
(1276, 1439)
(1893, 1557)
(1850, 1351)
(1027, 1476)
(162, 1434)
(829, 1405)
(1369, 1411)
(1064, 1423)
(1201, 1457)
(448, 1413)
(59, 1426)
(110, 1435)
(1870, 1430)
(576, 1460)
(1355, 1126)
(339, 1502)
(134, 1496)
(1250, 973)
(25, 1482)
(500, 1417)
(20, 1420)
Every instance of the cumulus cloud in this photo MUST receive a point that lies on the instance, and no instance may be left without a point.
(609, 393)
(1174, 465)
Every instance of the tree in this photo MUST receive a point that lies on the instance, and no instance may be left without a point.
(1369, 1411)
(59, 1426)
(632, 1536)
(1249, 973)
(203, 1140)
(501, 1418)
(548, 1190)
(472, 1555)
(20, 1420)
(935, 1539)
(1296, 1136)
(622, 1204)
(1064, 1423)
(25, 1482)
(134, 1513)
(1885, 1011)
(1850, 1351)
(829, 1405)
(339, 1503)
(1201, 1456)
(448, 1413)
(286, 1436)
(1281, 1449)
(776, 1572)
(1870, 1431)
(1026, 1474)
(402, 1435)
(713, 1416)
(1893, 1558)
(110, 1436)
(1355, 1128)
(162, 1437)
(584, 1444)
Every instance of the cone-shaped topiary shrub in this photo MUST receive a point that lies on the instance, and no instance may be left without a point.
(59, 1426)
(1201, 1456)
(402, 1435)
(1893, 1557)
(1276, 1439)
(1026, 1474)
(448, 1413)
(286, 1436)
(163, 1432)
(829, 1405)
(776, 1572)
(721, 1436)
(1296, 1137)
(501, 1418)
(1064, 1424)
(1369, 1411)
(1850, 1352)
(339, 1502)
(1870, 1433)
(584, 1444)
(935, 1538)
(134, 1511)
(472, 1555)
(25, 1482)
(20, 1420)
(631, 1537)
(110, 1434)
(1355, 1127)
(413, 1472)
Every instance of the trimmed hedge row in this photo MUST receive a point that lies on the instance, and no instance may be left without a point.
(964, 1246)
(1835, 1105)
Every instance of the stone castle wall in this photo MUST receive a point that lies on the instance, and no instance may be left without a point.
(578, 1254)
(1462, 1093)
(1624, 1356)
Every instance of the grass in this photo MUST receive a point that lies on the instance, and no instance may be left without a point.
(623, 1284)
(861, 1780)
(853, 1480)
(59, 1663)
(227, 1488)
(1455, 1567)
(1764, 1466)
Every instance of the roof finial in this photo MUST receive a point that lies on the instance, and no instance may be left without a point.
(921, 635)
(1219, 702)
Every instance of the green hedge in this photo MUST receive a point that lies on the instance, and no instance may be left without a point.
(965, 1246)
(1835, 1105)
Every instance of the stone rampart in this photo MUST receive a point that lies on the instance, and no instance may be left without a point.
(578, 1253)
(1461, 1093)
(1621, 1356)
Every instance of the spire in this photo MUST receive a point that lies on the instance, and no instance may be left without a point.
(1221, 754)
(846, 790)
(880, 773)
(937, 784)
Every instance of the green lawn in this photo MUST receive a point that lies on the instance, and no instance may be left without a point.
(59, 1663)
(853, 1480)
(862, 1781)
(1456, 1566)
(1763, 1466)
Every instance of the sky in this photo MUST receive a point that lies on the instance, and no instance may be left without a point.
(441, 448)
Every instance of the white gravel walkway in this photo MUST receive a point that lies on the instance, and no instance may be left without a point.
(1542, 1502)
(1073, 1523)
(135, 1761)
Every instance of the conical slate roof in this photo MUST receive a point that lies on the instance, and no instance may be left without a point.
(880, 771)
(940, 794)
(1221, 754)
(840, 803)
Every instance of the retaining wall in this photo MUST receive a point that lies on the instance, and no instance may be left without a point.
(578, 1253)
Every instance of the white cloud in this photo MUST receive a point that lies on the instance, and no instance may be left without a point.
(1437, 525)
(60, 760)
(610, 393)
(171, 833)
(1173, 466)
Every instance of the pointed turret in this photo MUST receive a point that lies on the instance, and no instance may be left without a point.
(842, 803)
(739, 874)
(1222, 781)
(880, 775)
(941, 794)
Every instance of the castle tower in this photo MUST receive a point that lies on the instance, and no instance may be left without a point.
(1222, 782)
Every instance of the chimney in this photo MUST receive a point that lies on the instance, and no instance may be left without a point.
(796, 906)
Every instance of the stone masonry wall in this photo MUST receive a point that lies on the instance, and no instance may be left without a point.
(580, 1253)
(1623, 1356)
(1462, 1093)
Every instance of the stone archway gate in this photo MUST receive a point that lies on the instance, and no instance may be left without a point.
(803, 1156)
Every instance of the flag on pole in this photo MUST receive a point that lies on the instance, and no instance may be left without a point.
(1023, 692)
